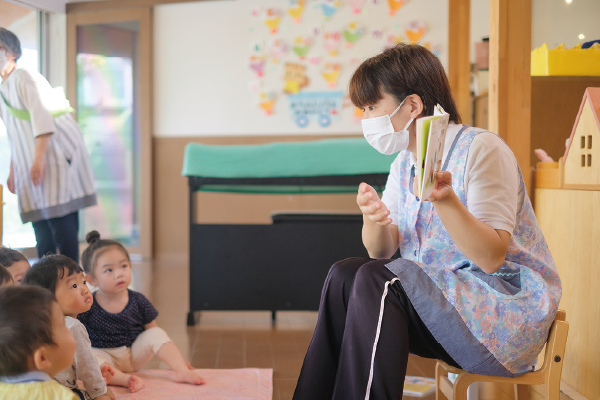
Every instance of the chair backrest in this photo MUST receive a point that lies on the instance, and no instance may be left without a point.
(555, 346)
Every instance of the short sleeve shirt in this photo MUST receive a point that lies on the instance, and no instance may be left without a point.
(108, 330)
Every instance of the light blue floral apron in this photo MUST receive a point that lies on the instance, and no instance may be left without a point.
(489, 324)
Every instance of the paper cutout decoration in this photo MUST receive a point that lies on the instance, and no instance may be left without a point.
(301, 46)
(395, 5)
(296, 9)
(255, 12)
(257, 64)
(392, 41)
(358, 114)
(356, 6)
(331, 73)
(316, 30)
(331, 42)
(315, 60)
(377, 33)
(352, 33)
(330, 7)
(266, 101)
(256, 48)
(294, 77)
(436, 49)
(272, 18)
(277, 49)
(415, 30)
(324, 107)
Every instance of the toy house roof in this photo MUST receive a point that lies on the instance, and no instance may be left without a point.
(592, 95)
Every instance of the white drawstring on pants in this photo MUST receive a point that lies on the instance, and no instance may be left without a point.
(385, 291)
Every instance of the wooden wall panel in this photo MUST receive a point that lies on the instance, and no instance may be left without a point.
(568, 219)
(459, 64)
(510, 76)
(170, 197)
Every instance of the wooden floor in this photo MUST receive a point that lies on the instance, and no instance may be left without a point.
(249, 339)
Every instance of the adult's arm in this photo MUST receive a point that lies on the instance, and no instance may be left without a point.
(379, 235)
(39, 160)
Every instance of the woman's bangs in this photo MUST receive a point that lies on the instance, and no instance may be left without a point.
(364, 88)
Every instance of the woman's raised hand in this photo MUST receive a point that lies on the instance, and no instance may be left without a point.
(371, 205)
(443, 187)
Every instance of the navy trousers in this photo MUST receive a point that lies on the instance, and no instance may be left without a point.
(58, 234)
(338, 361)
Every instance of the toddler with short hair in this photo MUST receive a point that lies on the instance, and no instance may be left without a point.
(35, 345)
(64, 277)
(6, 278)
(15, 262)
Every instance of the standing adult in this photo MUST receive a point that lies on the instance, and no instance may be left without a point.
(49, 169)
(475, 286)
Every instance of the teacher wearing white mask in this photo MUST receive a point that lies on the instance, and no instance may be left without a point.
(49, 169)
(475, 284)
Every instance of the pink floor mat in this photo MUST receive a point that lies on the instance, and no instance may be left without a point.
(221, 384)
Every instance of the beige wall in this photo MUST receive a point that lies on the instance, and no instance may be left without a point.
(171, 226)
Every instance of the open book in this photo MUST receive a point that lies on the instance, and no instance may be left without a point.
(431, 135)
(418, 386)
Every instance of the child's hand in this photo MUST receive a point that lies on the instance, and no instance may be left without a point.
(371, 206)
(107, 373)
(443, 187)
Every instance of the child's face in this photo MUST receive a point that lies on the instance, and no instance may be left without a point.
(73, 295)
(59, 356)
(18, 271)
(112, 273)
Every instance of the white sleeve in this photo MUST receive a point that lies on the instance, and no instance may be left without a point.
(493, 183)
(32, 91)
(85, 363)
(390, 193)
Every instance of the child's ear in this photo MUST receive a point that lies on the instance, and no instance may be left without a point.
(90, 278)
(41, 360)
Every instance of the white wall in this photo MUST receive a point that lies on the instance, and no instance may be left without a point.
(201, 52)
(555, 22)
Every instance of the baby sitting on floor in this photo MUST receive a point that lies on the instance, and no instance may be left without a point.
(122, 323)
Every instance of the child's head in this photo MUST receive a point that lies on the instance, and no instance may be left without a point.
(106, 264)
(16, 263)
(64, 277)
(5, 277)
(33, 334)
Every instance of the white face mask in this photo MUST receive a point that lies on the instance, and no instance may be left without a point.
(3, 60)
(380, 134)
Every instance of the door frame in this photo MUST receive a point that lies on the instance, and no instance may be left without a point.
(143, 16)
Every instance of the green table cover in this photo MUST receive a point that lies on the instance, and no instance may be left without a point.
(345, 156)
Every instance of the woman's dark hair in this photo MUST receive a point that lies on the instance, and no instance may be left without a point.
(96, 247)
(400, 71)
(49, 269)
(5, 276)
(11, 43)
(25, 325)
(9, 256)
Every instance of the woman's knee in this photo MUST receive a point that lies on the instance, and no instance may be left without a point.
(373, 273)
(345, 270)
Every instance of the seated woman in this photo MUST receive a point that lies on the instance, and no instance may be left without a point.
(475, 286)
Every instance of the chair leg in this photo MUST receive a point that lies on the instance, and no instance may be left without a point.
(461, 385)
(521, 392)
(439, 370)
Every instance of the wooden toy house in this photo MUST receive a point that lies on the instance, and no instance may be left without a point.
(580, 166)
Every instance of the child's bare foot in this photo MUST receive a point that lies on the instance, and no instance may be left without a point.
(135, 383)
(189, 366)
(107, 373)
(188, 377)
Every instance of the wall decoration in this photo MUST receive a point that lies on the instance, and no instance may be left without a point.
(266, 101)
(315, 60)
(331, 42)
(324, 107)
(316, 30)
(330, 7)
(301, 46)
(331, 73)
(257, 64)
(294, 77)
(296, 9)
(272, 18)
(277, 49)
(436, 48)
(356, 6)
(395, 5)
(352, 33)
(391, 41)
(415, 30)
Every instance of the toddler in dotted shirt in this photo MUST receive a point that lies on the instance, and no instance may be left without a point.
(122, 323)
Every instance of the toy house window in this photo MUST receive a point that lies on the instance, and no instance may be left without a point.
(583, 142)
(589, 141)
(589, 160)
(583, 160)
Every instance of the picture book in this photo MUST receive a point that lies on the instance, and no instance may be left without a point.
(418, 386)
(431, 135)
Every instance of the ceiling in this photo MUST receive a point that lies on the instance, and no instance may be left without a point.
(10, 13)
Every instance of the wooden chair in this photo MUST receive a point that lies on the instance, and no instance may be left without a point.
(548, 375)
